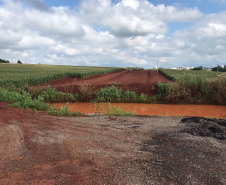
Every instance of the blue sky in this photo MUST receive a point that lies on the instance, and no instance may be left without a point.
(205, 6)
(114, 32)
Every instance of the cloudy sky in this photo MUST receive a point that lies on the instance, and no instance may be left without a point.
(114, 32)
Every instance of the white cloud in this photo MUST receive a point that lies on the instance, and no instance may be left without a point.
(131, 3)
(128, 33)
(132, 17)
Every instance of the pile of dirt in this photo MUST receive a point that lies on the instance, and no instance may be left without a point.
(207, 127)
(141, 81)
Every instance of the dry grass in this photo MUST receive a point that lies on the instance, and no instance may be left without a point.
(87, 92)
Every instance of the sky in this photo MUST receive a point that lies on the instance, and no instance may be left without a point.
(114, 33)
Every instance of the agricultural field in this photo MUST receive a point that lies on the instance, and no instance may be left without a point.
(19, 75)
(175, 72)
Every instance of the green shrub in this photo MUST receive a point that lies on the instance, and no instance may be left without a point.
(143, 98)
(109, 94)
(130, 96)
(163, 88)
(63, 111)
(51, 95)
(22, 99)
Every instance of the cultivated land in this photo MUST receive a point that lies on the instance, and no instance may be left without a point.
(36, 148)
(140, 81)
(175, 72)
(22, 74)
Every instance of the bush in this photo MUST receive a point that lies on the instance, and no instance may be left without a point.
(109, 94)
(22, 99)
(217, 93)
(50, 95)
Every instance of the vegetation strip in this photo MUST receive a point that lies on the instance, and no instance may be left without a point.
(186, 88)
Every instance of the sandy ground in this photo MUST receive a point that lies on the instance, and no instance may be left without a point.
(141, 81)
(36, 148)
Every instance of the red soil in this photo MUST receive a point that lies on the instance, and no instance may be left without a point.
(141, 81)
(36, 149)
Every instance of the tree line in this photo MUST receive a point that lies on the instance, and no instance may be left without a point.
(4, 61)
(7, 61)
(218, 68)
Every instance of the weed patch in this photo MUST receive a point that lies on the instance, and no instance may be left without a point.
(63, 111)
(22, 99)
(117, 111)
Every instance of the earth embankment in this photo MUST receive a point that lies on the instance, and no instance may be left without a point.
(140, 81)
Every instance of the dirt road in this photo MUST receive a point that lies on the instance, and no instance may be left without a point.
(36, 148)
(141, 81)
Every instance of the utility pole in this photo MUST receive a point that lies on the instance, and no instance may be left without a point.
(157, 67)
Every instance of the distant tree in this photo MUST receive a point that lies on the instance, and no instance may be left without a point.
(4, 61)
(19, 62)
(198, 68)
(221, 69)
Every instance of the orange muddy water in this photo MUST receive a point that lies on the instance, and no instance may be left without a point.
(152, 109)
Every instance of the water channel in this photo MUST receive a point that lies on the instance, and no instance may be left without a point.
(213, 111)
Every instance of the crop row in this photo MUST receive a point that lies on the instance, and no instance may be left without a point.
(19, 75)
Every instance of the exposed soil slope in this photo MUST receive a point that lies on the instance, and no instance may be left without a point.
(36, 148)
(140, 81)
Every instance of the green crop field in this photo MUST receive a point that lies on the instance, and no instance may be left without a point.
(175, 72)
(21, 74)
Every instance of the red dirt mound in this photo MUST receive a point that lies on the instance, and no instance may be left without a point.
(140, 81)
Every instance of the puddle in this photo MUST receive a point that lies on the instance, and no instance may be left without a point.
(213, 111)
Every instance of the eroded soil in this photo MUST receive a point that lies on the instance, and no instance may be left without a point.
(36, 148)
(140, 81)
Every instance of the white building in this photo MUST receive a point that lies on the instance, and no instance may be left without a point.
(185, 68)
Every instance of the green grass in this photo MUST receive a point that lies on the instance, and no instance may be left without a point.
(174, 72)
(28, 74)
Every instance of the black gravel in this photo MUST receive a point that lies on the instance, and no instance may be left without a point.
(206, 127)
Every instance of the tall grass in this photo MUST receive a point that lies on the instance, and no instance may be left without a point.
(194, 89)
(86, 92)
